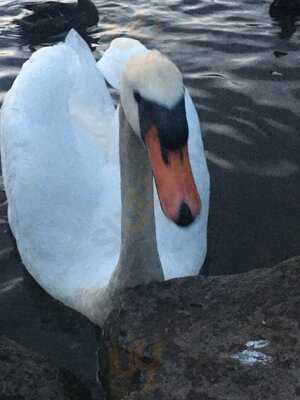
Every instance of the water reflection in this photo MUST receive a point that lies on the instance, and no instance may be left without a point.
(288, 25)
(36, 40)
(11, 284)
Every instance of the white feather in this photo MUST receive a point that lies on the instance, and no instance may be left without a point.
(60, 159)
(116, 56)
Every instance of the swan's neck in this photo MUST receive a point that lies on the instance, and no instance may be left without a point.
(139, 261)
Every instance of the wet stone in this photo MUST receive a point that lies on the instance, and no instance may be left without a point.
(243, 342)
(25, 375)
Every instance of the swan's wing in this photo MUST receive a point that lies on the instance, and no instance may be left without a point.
(61, 180)
(116, 56)
(90, 103)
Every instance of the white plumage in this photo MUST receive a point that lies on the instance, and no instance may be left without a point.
(60, 160)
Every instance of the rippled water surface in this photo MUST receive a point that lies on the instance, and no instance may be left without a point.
(243, 70)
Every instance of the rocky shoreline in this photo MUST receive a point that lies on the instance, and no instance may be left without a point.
(25, 375)
(234, 337)
(231, 337)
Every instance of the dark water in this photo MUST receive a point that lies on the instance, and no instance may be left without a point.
(243, 70)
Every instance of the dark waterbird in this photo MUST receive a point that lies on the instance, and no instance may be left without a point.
(53, 17)
(285, 7)
(286, 13)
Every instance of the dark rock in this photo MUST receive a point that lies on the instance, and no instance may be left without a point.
(227, 337)
(25, 375)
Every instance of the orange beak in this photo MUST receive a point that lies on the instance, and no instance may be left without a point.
(177, 191)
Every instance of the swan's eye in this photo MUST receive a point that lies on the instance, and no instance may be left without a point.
(137, 97)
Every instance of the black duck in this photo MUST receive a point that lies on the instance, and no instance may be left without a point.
(53, 17)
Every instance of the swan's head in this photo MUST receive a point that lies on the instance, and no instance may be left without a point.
(153, 99)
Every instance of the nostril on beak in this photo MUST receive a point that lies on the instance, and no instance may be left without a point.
(185, 216)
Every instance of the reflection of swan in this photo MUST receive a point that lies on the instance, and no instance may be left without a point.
(60, 158)
(53, 17)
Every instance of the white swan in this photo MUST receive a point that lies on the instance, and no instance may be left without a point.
(60, 160)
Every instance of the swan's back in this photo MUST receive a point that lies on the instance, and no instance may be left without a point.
(59, 144)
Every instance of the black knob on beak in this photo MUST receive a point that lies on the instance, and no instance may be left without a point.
(185, 216)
